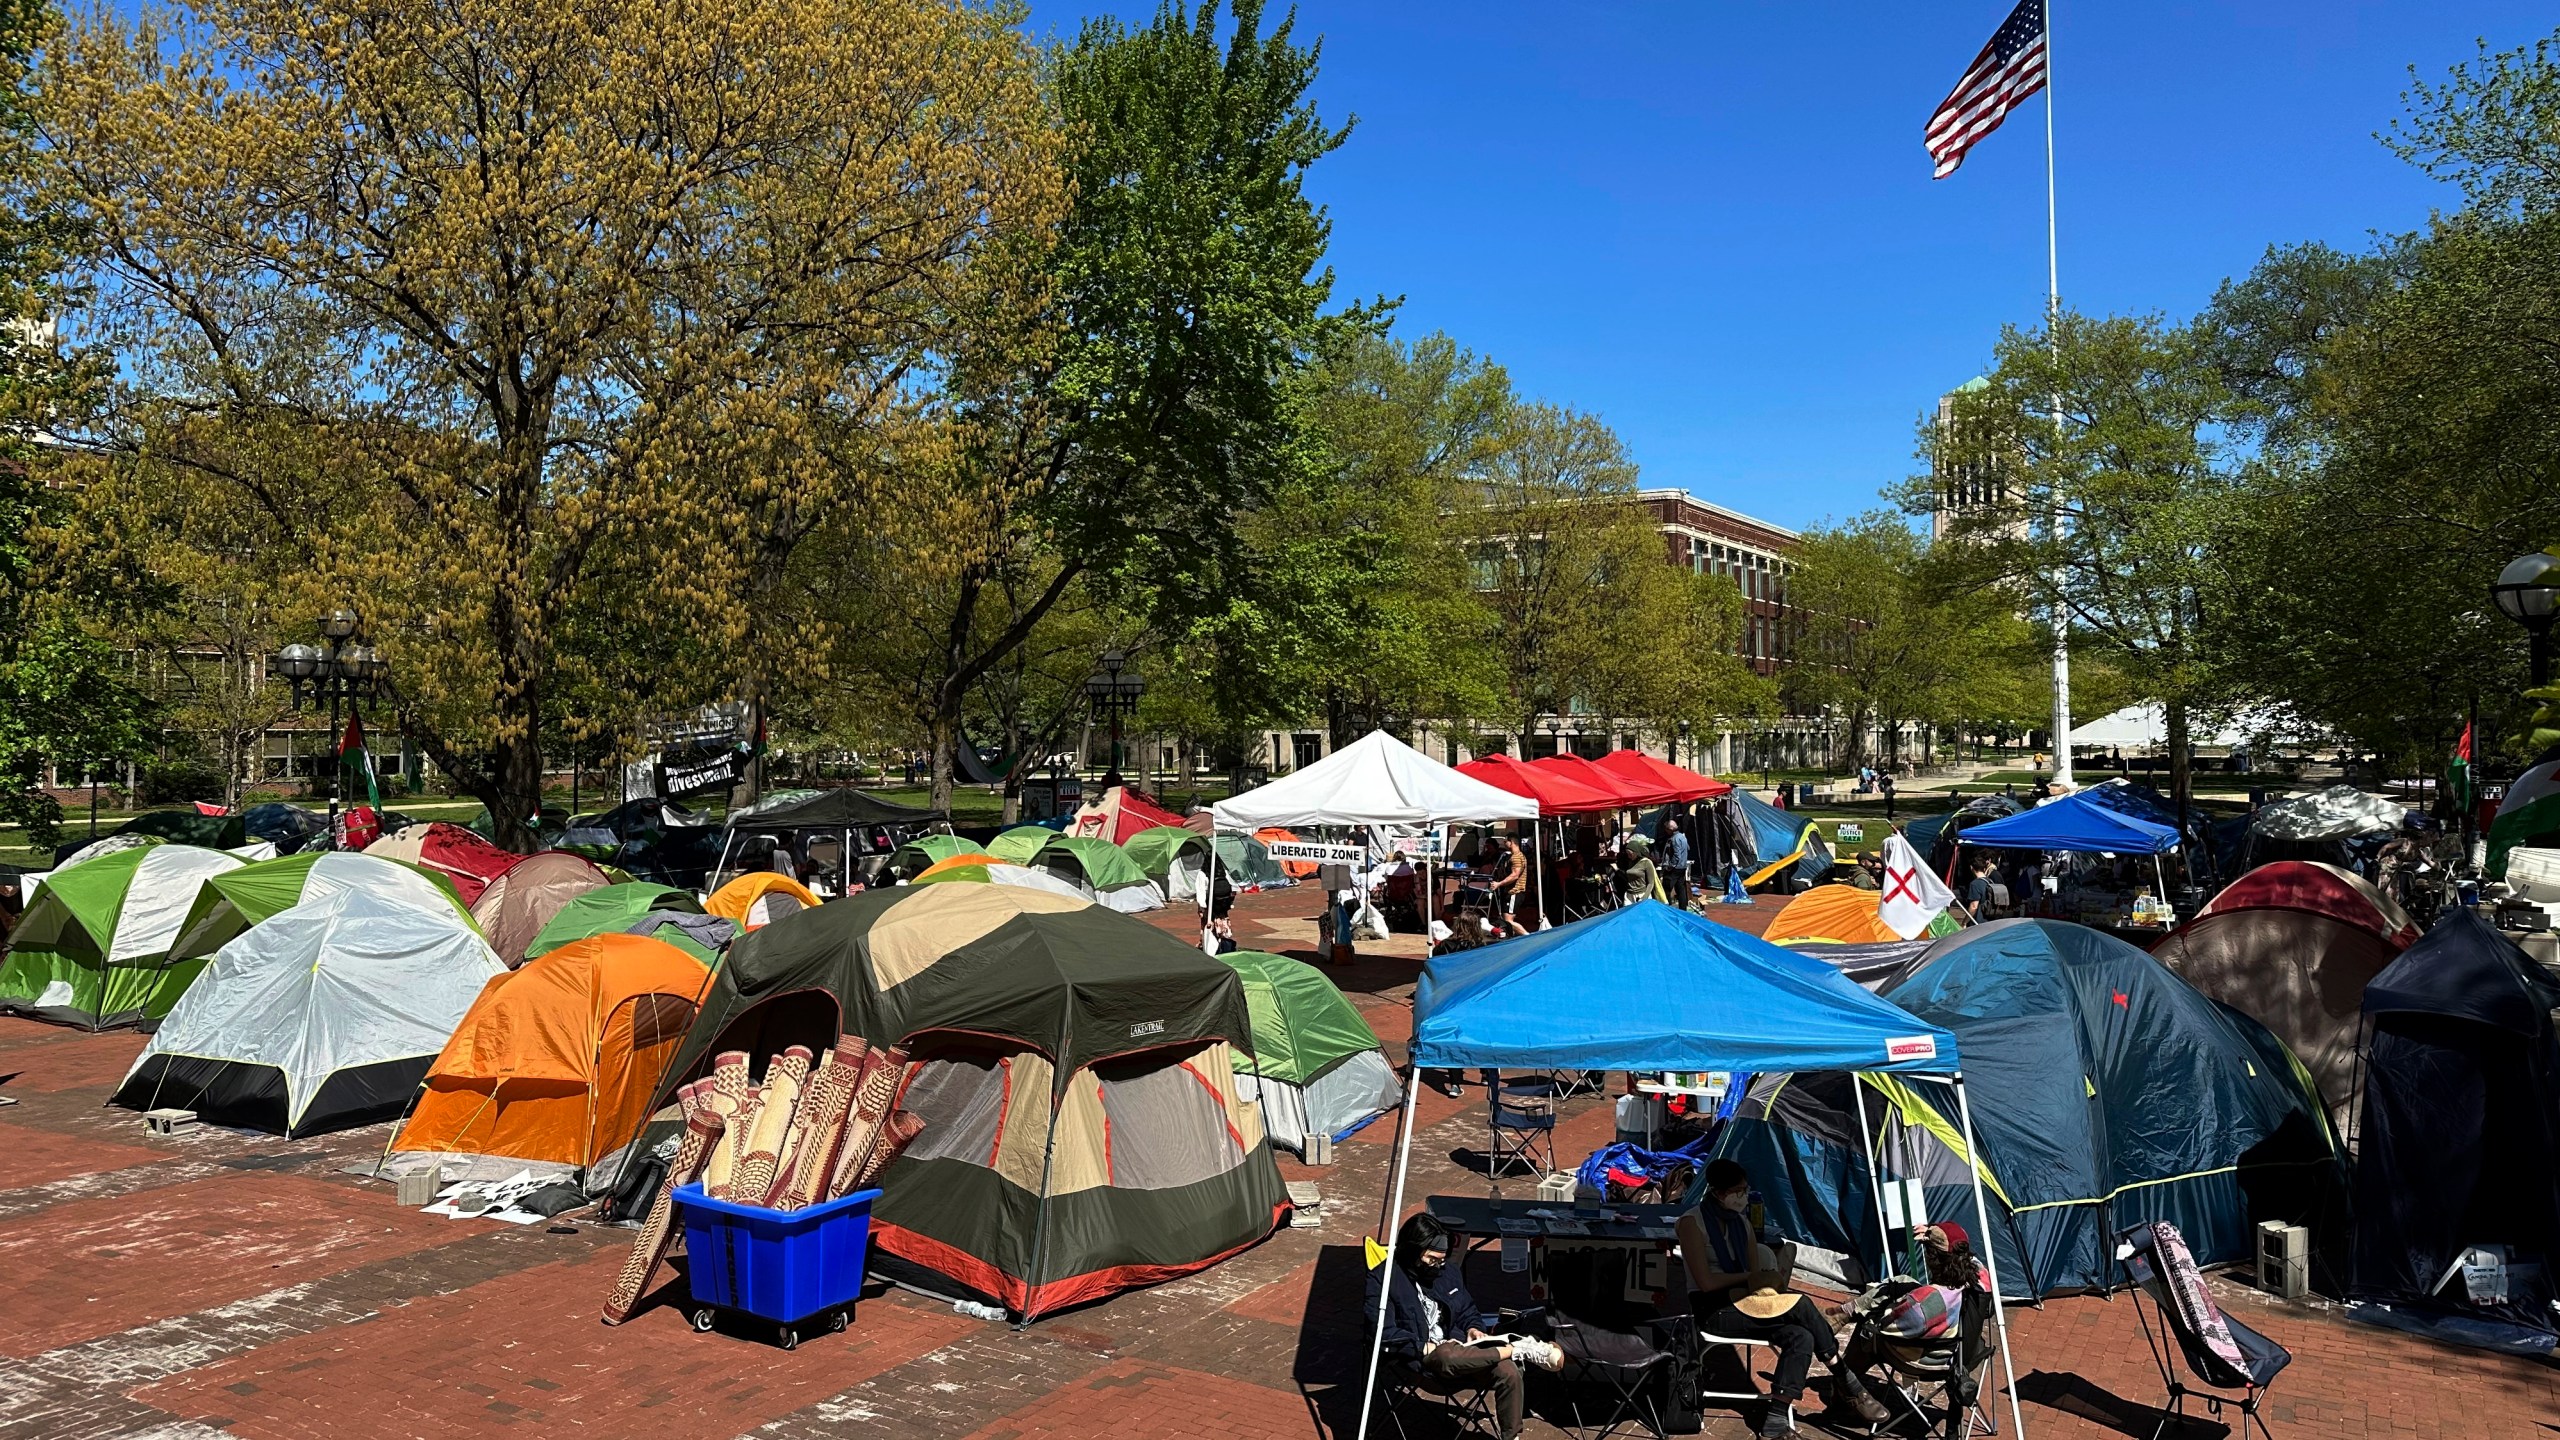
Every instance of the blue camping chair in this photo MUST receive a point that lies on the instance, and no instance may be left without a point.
(1524, 1130)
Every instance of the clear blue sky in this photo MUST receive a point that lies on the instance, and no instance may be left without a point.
(1713, 225)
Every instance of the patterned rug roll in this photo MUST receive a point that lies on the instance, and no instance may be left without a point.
(753, 1182)
(884, 1071)
(817, 1129)
(702, 1129)
(731, 1079)
(797, 1064)
(896, 1134)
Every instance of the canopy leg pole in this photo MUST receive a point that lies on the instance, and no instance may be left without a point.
(1538, 841)
(1875, 1182)
(2160, 875)
(1982, 1219)
(1395, 1210)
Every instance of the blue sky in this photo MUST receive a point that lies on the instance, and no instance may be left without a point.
(1713, 225)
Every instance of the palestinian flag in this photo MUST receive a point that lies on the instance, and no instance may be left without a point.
(351, 752)
(2457, 772)
(2530, 815)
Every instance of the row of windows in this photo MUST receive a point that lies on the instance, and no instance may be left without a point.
(1762, 577)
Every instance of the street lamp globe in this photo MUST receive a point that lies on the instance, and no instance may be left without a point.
(2528, 588)
(298, 662)
(338, 624)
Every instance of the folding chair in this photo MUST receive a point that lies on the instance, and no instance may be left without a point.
(2219, 1351)
(1944, 1378)
(1684, 1330)
(1624, 1368)
(1523, 1133)
(1404, 1383)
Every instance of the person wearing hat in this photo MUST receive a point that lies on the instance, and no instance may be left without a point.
(1902, 1319)
(1738, 1288)
(1637, 878)
(1870, 872)
(1432, 1323)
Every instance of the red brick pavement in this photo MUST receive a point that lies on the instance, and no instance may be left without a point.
(187, 1298)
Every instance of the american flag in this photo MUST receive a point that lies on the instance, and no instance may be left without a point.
(2008, 70)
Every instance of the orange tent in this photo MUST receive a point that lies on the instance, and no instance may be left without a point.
(758, 898)
(557, 1061)
(1841, 914)
(1294, 869)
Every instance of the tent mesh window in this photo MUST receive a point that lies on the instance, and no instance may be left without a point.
(1168, 1128)
(961, 1100)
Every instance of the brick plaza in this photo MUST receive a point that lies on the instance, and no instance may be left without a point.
(220, 1283)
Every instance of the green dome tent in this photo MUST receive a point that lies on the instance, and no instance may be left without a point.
(1020, 843)
(1173, 857)
(1103, 868)
(234, 900)
(925, 851)
(616, 907)
(1316, 1067)
(93, 947)
(1073, 1066)
(1248, 865)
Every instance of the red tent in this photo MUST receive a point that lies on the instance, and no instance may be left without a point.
(1556, 794)
(1631, 794)
(2321, 890)
(1643, 769)
(459, 855)
(1119, 813)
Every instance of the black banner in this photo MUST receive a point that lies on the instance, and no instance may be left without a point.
(692, 776)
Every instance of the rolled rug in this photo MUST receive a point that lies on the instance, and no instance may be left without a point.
(816, 1129)
(896, 1134)
(884, 1071)
(730, 1077)
(797, 1063)
(753, 1182)
(702, 1129)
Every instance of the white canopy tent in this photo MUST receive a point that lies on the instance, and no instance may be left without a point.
(1375, 780)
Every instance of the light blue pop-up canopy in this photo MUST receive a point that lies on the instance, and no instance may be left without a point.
(1647, 988)
(1651, 989)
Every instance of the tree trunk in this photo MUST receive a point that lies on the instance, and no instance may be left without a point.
(945, 732)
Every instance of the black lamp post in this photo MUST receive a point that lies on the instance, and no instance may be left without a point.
(2526, 592)
(1682, 741)
(1114, 691)
(346, 671)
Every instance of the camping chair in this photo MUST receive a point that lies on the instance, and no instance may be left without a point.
(1400, 901)
(1402, 1384)
(1682, 1334)
(1623, 1368)
(2219, 1351)
(1522, 1132)
(1943, 1378)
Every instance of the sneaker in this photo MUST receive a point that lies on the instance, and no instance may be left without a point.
(1541, 1353)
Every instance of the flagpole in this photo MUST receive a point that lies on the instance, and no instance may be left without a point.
(2053, 336)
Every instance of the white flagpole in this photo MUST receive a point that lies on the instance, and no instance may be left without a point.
(2053, 322)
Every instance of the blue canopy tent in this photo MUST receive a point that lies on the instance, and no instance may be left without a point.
(1652, 989)
(2081, 825)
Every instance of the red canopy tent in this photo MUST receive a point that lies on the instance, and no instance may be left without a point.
(1643, 769)
(1631, 794)
(1556, 794)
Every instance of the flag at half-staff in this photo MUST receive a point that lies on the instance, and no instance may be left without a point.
(2009, 69)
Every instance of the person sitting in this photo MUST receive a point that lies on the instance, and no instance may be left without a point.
(1433, 1324)
(1907, 1316)
(1738, 1289)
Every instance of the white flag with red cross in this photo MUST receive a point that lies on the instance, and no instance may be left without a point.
(1912, 895)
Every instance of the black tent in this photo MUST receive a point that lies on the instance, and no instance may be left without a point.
(838, 808)
(2460, 1141)
(831, 841)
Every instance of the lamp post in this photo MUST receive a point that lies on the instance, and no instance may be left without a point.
(1683, 742)
(347, 671)
(2526, 592)
(1114, 691)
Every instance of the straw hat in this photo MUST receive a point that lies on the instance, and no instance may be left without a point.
(1765, 1303)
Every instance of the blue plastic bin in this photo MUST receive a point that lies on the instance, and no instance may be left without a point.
(778, 1265)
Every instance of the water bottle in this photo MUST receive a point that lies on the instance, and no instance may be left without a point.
(976, 1311)
(1757, 1214)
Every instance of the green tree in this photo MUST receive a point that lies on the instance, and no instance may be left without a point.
(2111, 515)
(1186, 298)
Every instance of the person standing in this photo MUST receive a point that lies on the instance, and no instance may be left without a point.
(1675, 862)
(1510, 882)
(1884, 787)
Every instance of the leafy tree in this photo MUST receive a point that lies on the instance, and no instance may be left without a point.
(1185, 299)
(2111, 515)
(560, 291)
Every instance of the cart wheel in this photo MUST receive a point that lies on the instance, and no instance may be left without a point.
(841, 1320)
(702, 1320)
(790, 1338)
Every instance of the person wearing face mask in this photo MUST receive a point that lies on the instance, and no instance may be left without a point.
(1432, 1323)
(1738, 1288)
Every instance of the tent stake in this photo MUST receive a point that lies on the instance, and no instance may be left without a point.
(1395, 1208)
(1982, 1218)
